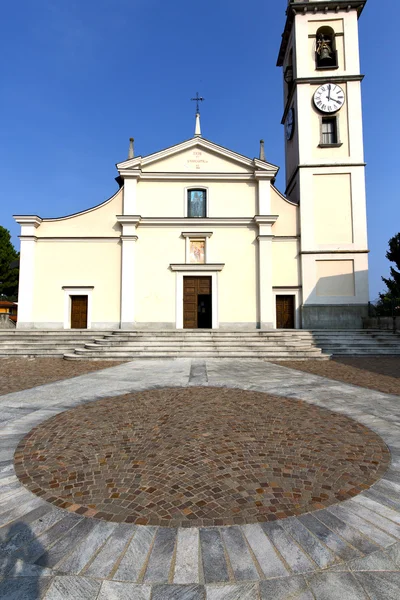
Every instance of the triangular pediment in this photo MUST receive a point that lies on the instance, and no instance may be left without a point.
(196, 155)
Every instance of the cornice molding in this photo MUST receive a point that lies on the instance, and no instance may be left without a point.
(189, 234)
(33, 220)
(334, 251)
(187, 222)
(197, 267)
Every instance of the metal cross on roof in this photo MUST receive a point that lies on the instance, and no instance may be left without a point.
(197, 100)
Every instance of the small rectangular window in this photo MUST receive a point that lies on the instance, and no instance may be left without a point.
(329, 131)
(196, 203)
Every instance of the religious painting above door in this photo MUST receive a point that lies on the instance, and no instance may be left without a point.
(197, 251)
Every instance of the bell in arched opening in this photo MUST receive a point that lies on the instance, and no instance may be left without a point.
(326, 54)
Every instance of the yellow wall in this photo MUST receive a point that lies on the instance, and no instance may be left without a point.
(72, 264)
(335, 278)
(168, 198)
(286, 265)
(156, 283)
(333, 209)
(287, 223)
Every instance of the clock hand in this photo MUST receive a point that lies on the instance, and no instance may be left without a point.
(329, 95)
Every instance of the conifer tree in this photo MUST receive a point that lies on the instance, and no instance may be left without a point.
(9, 271)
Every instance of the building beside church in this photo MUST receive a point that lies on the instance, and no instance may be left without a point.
(197, 236)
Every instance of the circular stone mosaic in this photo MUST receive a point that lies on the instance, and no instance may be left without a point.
(198, 457)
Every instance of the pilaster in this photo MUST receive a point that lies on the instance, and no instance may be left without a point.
(128, 252)
(265, 292)
(28, 239)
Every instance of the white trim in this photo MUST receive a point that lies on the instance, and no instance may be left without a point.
(208, 176)
(77, 291)
(24, 218)
(195, 222)
(179, 294)
(26, 285)
(196, 268)
(297, 303)
(128, 275)
(200, 143)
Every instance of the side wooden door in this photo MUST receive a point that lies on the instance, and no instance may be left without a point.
(285, 312)
(79, 310)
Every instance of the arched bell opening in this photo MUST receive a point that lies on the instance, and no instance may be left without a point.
(325, 52)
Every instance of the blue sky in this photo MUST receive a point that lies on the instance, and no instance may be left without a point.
(79, 77)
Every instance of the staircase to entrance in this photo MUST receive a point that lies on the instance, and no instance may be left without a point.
(279, 344)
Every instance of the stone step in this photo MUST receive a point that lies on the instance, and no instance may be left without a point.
(199, 352)
(196, 343)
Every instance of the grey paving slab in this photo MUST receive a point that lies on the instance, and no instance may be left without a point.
(24, 522)
(187, 564)
(76, 560)
(21, 505)
(233, 592)
(366, 527)
(373, 517)
(160, 560)
(320, 553)
(23, 569)
(334, 542)
(22, 533)
(377, 507)
(62, 547)
(103, 563)
(215, 568)
(380, 586)
(240, 559)
(39, 546)
(198, 373)
(378, 561)
(350, 534)
(68, 587)
(336, 586)
(297, 560)
(394, 553)
(117, 590)
(283, 589)
(135, 557)
(24, 588)
(268, 560)
(178, 592)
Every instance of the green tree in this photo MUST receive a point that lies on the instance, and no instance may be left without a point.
(390, 300)
(9, 270)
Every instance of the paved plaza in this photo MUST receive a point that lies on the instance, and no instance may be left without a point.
(199, 480)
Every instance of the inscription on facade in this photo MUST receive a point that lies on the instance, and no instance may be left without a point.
(197, 160)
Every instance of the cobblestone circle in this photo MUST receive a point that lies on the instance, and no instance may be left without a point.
(198, 457)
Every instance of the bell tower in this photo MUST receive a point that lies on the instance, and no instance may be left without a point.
(325, 169)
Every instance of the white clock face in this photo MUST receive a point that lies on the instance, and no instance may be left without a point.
(290, 124)
(329, 98)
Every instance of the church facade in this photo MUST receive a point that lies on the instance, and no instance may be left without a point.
(197, 236)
